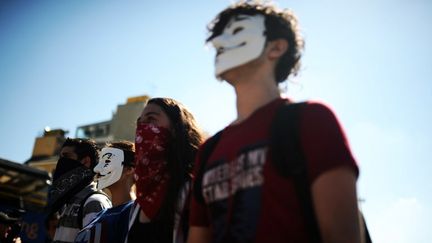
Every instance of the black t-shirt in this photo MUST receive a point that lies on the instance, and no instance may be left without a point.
(150, 232)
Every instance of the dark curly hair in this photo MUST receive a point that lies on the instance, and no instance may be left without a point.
(83, 148)
(128, 148)
(279, 23)
(182, 148)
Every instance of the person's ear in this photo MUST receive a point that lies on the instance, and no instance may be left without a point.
(129, 170)
(277, 48)
(86, 161)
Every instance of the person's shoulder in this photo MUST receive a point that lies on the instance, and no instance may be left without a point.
(118, 211)
(206, 147)
(212, 138)
(315, 110)
(97, 200)
(122, 207)
(98, 196)
(317, 117)
(209, 142)
(317, 106)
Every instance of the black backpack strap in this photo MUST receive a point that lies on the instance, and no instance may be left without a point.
(289, 160)
(206, 150)
(284, 140)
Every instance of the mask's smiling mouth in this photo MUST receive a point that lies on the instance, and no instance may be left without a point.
(98, 176)
(222, 49)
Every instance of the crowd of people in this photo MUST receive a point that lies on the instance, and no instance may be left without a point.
(257, 180)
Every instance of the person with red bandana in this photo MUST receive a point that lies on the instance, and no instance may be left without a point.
(167, 138)
(242, 194)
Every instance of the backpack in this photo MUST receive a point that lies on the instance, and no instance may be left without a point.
(286, 121)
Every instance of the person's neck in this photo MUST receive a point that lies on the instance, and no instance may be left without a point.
(120, 195)
(143, 217)
(253, 92)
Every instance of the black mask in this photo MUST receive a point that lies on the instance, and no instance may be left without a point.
(69, 178)
(65, 165)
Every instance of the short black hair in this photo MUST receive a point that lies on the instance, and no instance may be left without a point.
(83, 147)
(279, 23)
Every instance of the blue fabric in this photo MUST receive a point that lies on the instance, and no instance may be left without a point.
(111, 225)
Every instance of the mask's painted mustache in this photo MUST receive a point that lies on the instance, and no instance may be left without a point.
(100, 175)
(222, 49)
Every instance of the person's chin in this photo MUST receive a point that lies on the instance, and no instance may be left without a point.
(233, 74)
(227, 76)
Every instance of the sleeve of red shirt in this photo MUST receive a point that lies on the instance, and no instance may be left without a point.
(323, 141)
(198, 211)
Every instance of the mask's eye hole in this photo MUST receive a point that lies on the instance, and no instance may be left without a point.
(236, 30)
(107, 161)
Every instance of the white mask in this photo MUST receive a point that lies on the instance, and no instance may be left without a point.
(241, 41)
(109, 168)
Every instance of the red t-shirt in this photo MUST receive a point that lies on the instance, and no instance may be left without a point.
(246, 200)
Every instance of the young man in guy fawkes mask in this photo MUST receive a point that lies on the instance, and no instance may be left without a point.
(115, 173)
(240, 195)
(73, 191)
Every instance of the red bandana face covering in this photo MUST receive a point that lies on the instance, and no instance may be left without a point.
(151, 172)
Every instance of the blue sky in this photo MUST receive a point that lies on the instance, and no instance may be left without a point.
(68, 63)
